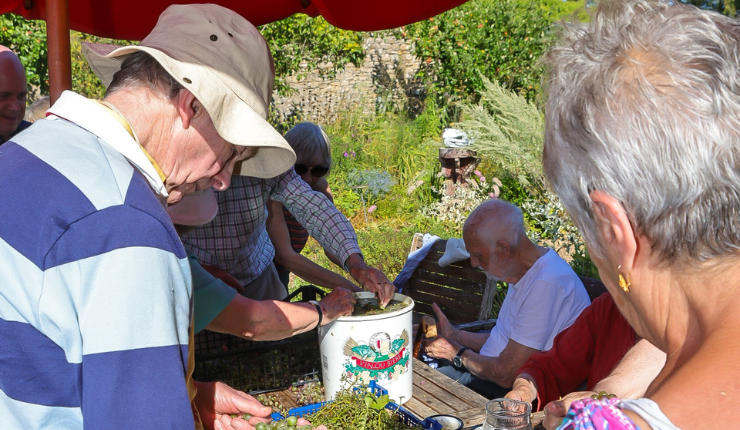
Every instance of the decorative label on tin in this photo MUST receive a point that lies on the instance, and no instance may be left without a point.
(380, 358)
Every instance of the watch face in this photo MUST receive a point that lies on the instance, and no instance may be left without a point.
(457, 361)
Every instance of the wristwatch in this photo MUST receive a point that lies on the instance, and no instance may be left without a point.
(457, 361)
(318, 309)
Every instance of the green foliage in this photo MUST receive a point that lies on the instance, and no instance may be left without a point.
(300, 44)
(507, 129)
(499, 39)
(28, 40)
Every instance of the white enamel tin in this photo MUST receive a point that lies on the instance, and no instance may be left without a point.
(369, 347)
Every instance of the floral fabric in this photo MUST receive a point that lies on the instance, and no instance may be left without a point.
(588, 414)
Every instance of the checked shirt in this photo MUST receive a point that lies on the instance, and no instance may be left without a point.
(237, 241)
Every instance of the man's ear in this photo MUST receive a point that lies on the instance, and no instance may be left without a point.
(188, 107)
(614, 228)
(503, 249)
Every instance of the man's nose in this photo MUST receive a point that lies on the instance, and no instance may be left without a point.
(17, 105)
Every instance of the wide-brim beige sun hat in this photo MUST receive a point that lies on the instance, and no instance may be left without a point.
(225, 62)
(194, 209)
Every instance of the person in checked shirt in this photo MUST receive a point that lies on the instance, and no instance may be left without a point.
(237, 242)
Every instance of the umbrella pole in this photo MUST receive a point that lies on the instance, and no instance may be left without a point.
(57, 36)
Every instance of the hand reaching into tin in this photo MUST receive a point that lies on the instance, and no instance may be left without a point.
(338, 303)
(371, 279)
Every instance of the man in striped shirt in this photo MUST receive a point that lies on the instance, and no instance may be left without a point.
(96, 294)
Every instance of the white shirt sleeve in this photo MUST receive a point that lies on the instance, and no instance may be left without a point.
(542, 315)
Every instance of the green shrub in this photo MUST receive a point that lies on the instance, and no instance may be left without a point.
(498, 39)
(508, 130)
(28, 40)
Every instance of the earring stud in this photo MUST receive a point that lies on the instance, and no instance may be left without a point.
(623, 283)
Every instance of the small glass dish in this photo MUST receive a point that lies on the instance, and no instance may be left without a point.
(448, 422)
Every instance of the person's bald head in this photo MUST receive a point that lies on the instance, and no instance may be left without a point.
(492, 233)
(13, 92)
(496, 220)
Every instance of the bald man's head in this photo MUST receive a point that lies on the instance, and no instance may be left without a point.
(494, 220)
(492, 234)
(13, 93)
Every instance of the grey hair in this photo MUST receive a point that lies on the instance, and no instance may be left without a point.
(309, 141)
(142, 70)
(38, 109)
(644, 104)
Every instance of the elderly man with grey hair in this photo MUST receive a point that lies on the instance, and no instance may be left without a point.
(96, 292)
(545, 296)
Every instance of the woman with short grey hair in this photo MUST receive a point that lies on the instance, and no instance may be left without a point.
(642, 144)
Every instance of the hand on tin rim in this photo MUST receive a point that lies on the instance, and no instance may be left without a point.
(371, 279)
(337, 303)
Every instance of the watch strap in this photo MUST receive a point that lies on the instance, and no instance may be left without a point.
(458, 357)
(318, 309)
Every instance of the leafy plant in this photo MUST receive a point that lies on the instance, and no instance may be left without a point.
(454, 209)
(28, 40)
(501, 39)
(300, 44)
(508, 129)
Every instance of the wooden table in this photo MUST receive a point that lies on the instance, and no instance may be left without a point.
(434, 393)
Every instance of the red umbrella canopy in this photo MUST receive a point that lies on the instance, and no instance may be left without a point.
(133, 19)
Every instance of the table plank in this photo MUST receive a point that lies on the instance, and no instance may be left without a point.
(434, 393)
(437, 392)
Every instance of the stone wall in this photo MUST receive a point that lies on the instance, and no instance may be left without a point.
(385, 80)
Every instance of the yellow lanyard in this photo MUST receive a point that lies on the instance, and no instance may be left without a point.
(121, 120)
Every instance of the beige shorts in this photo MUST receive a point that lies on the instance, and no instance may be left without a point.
(267, 286)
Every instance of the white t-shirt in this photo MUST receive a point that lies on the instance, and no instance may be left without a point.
(650, 412)
(547, 300)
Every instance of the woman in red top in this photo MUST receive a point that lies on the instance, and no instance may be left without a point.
(583, 356)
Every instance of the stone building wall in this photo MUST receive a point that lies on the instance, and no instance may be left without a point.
(387, 75)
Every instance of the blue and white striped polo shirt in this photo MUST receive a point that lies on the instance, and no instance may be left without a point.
(95, 287)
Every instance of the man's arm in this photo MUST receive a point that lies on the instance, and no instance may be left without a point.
(277, 229)
(315, 212)
(500, 370)
(331, 229)
(474, 341)
(274, 320)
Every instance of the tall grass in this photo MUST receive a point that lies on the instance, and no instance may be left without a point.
(408, 151)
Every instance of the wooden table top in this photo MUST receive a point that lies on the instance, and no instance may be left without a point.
(434, 393)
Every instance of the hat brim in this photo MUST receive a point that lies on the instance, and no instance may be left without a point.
(194, 210)
(234, 120)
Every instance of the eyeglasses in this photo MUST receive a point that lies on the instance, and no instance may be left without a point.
(316, 171)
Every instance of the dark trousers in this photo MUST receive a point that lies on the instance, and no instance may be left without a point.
(487, 389)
